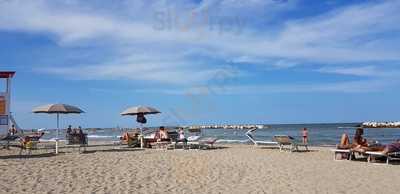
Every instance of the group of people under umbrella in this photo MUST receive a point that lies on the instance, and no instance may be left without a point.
(58, 109)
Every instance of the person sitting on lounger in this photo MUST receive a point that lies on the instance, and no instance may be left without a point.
(13, 130)
(69, 129)
(344, 142)
(359, 144)
(162, 134)
(124, 137)
(130, 138)
(393, 147)
(385, 149)
(358, 141)
(25, 141)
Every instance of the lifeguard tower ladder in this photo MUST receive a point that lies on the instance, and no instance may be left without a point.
(5, 98)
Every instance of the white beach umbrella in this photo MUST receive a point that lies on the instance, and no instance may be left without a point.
(58, 109)
(140, 112)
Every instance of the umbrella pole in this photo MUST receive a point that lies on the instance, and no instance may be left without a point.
(58, 128)
(141, 136)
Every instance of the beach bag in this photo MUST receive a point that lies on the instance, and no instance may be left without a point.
(141, 119)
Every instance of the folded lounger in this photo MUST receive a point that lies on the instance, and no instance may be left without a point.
(257, 143)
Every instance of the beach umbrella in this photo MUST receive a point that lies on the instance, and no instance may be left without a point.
(140, 112)
(58, 109)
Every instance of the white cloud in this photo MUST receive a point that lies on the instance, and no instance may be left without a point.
(296, 40)
(367, 71)
(363, 86)
(170, 70)
(357, 71)
(345, 36)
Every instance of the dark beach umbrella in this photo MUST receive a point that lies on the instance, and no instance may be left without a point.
(58, 109)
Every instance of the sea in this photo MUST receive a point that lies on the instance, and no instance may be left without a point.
(319, 134)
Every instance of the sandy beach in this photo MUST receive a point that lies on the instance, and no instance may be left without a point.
(229, 169)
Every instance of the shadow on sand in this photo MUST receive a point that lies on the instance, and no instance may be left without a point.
(287, 150)
(25, 156)
(112, 150)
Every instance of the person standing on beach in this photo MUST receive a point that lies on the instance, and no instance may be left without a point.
(13, 130)
(305, 136)
(181, 137)
(81, 135)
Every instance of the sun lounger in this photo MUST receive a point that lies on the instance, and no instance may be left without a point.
(177, 144)
(285, 140)
(161, 144)
(389, 157)
(201, 142)
(207, 142)
(6, 139)
(77, 141)
(340, 154)
(194, 140)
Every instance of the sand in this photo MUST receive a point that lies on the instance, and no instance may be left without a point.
(231, 169)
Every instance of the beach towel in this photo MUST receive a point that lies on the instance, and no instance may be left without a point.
(393, 147)
(193, 138)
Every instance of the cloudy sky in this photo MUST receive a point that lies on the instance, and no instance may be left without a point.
(203, 61)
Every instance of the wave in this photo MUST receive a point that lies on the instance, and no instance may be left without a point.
(347, 127)
(52, 140)
(103, 136)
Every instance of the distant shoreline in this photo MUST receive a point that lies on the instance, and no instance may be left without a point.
(381, 124)
(386, 127)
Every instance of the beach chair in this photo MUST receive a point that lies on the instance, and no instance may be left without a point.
(28, 146)
(389, 156)
(285, 140)
(6, 139)
(249, 135)
(79, 141)
(130, 139)
(133, 142)
(201, 142)
(173, 135)
(165, 144)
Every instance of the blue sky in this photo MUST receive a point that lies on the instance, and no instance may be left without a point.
(203, 62)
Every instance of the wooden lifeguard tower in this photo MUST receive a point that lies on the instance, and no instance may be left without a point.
(5, 98)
